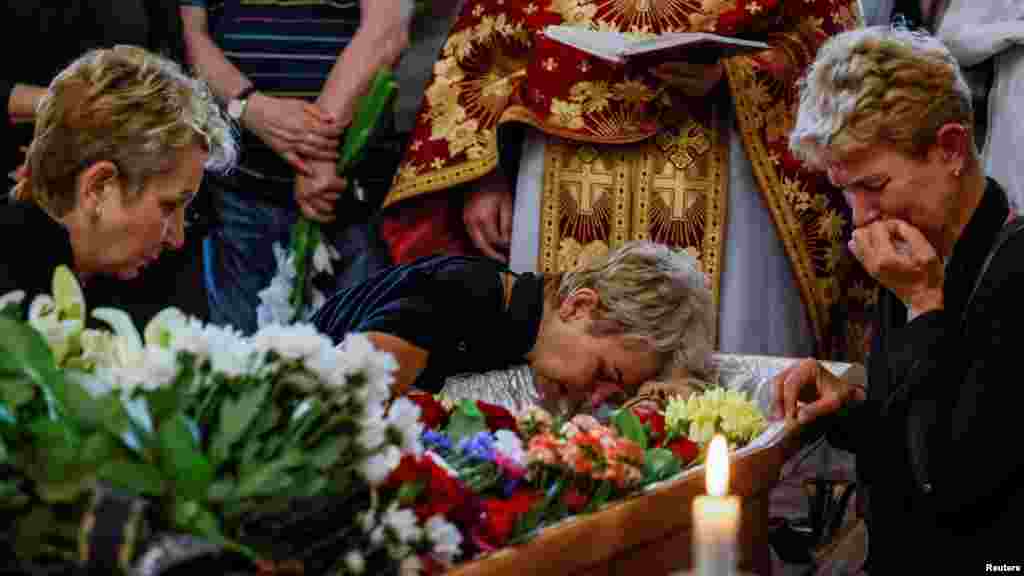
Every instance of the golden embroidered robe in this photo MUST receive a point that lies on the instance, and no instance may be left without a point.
(637, 159)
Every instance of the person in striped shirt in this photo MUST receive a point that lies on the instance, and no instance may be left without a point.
(290, 73)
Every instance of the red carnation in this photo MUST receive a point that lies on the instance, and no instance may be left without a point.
(655, 422)
(684, 449)
(575, 500)
(499, 518)
(407, 472)
(432, 413)
(498, 418)
(442, 494)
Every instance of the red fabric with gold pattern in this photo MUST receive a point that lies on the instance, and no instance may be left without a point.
(497, 67)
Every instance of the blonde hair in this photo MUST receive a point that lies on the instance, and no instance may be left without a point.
(127, 106)
(879, 85)
(655, 294)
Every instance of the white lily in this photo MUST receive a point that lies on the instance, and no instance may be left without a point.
(14, 298)
(61, 335)
(127, 342)
(161, 329)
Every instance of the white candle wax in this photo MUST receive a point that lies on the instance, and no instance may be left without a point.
(716, 518)
(716, 521)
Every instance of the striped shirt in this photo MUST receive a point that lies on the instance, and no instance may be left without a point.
(286, 48)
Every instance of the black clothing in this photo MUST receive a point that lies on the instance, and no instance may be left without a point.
(451, 306)
(66, 30)
(35, 244)
(935, 442)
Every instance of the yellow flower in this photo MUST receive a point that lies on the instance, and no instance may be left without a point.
(718, 410)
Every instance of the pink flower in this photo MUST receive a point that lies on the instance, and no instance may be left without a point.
(580, 423)
(544, 449)
(624, 461)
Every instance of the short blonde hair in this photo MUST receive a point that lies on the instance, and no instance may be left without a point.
(655, 294)
(879, 85)
(127, 106)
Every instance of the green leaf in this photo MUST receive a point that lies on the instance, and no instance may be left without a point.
(163, 403)
(409, 491)
(93, 412)
(181, 459)
(11, 497)
(268, 478)
(305, 237)
(25, 351)
(326, 456)
(660, 464)
(316, 486)
(185, 512)
(366, 118)
(305, 415)
(137, 477)
(97, 449)
(57, 448)
(207, 526)
(466, 421)
(604, 491)
(221, 490)
(16, 390)
(629, 426)
(236, 417)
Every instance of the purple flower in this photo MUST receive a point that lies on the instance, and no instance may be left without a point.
(437, 441)
(478, 447)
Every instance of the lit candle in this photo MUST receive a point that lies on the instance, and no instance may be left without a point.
(716, 517)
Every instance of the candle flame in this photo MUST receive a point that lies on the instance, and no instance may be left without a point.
(717, 472)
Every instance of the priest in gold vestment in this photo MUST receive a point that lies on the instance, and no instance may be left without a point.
(615, 152)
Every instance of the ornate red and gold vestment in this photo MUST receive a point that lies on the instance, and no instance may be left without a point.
(635, 158)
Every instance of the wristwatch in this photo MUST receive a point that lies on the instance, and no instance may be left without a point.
(236, 106)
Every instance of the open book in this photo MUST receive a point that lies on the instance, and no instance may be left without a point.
(698, 47)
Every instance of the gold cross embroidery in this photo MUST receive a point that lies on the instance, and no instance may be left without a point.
(586, 179)
(679, 191)
(684, 148)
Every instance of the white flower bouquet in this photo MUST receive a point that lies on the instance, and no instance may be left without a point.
(716, 411)
(222, 436)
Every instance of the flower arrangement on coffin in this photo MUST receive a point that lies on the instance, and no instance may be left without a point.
(275, 446)
(500, 477)
(290, 296)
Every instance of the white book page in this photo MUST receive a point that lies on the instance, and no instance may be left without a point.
(616, 46)
(603, 44)
(641, 46)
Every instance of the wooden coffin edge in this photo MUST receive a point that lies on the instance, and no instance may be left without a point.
(588, 540)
